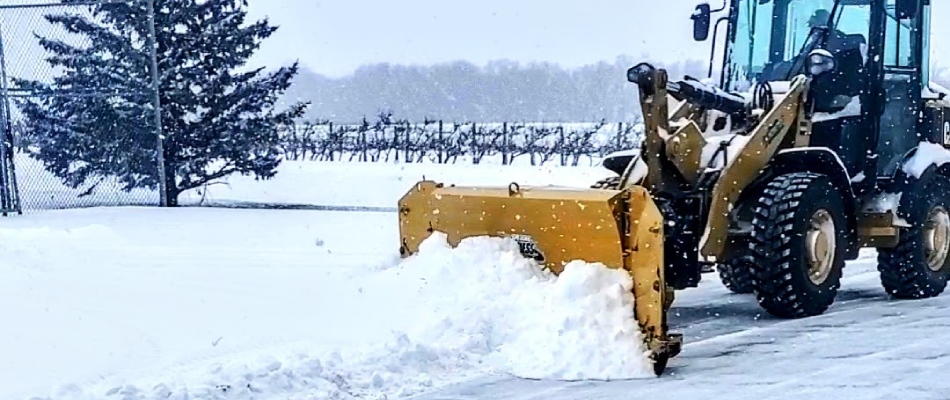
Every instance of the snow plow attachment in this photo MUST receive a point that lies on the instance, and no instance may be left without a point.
(619, 228)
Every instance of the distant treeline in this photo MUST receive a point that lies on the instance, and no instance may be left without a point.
(499, 91)
(389, 140)
(461, 91)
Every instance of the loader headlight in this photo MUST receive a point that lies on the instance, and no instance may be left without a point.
(820, 61)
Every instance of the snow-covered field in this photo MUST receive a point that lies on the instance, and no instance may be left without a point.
(211, 303)
(378, 186)
(354, 186)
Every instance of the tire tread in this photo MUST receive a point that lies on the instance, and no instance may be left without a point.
(773, 226)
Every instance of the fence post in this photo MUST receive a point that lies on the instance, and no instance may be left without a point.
(157, 105)
(505, 147)
(408, 142)
(563, 151)
(530, 143)
(395, 148)
(363, 142)
(441, 145)
(620, 135)
(11, 191)
(334, 142)
(475, 157)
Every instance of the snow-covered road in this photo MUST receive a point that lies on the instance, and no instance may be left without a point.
(149, 304)
(866, 347)
(94, 298)
(196, 303)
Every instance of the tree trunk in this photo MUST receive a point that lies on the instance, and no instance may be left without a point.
(171, 193)
(171, 185)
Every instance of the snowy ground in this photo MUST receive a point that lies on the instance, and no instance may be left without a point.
(121, 293)
(141, 303)
(866, 347)
(378, 186)
(307, 184)
(185, 301)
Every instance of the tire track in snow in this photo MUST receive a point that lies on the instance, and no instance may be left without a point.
(893, 344)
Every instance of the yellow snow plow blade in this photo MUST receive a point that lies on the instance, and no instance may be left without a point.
(619, 228)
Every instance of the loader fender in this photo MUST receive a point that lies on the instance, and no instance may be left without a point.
(933, 172)
(619, 160)
(904, 182)
(824, 161)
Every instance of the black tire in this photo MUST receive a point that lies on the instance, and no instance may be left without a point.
(735, 272)
(612, 183)
(905, 269)
(781, 258)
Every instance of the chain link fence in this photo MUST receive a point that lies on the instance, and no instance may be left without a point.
(78, 100)
(76, 107)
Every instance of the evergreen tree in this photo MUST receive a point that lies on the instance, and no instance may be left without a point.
(217, 120)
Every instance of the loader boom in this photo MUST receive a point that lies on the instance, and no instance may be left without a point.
(750, 162)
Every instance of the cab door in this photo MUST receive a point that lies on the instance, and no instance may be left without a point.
(903, 62)
(845, 118)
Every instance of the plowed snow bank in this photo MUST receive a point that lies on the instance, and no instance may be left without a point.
(453, 313)
(484, 298)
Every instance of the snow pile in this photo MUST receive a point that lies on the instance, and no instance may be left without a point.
(927, 154)
(484, 299)
(581, 327)
(454, 313)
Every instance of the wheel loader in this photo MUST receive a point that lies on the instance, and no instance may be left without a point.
(822, 136)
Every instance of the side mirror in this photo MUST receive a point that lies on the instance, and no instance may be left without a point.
(906, 9)
(701, 22)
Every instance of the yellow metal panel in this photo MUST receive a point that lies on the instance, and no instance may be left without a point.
(566, 224)
(685, 150)
(766, 139)
(878, 229)
(644, 260)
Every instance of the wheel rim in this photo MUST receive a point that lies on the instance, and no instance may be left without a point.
(937, 238)
(820, 246)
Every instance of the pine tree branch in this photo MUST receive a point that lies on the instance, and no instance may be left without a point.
(206, 180)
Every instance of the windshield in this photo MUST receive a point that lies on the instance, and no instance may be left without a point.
(769, 34)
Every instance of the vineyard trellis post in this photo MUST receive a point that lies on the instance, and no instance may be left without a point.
(506, 146)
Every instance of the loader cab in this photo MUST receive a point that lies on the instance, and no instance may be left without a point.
(867, 94)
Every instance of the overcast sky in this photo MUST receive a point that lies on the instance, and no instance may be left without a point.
(334, 37)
